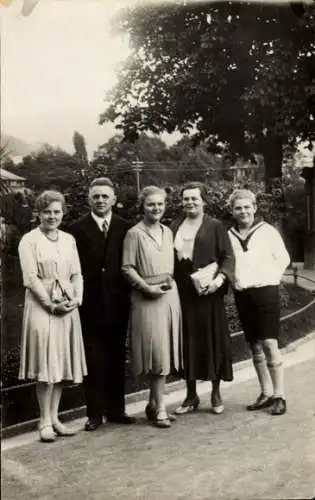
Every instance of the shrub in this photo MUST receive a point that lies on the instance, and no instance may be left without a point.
(10, 366)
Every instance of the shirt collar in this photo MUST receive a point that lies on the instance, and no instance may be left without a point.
(100, 220)
(257, 222)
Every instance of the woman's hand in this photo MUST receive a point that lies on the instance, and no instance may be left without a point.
(214, 285)
(73, 303)
(156, 291)
(64, 307)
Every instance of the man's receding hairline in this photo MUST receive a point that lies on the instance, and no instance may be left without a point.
(100, 186)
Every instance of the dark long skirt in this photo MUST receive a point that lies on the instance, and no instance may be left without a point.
(206, 341)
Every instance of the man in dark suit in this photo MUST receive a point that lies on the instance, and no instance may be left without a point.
(106, 304)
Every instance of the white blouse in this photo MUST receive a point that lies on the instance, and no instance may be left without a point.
(185, 238)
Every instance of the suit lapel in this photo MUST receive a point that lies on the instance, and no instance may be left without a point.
(92, 232)
(111, 240)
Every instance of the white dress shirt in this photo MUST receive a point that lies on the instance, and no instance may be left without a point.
(100, 220)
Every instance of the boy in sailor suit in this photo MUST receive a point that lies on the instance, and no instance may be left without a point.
(260, 261)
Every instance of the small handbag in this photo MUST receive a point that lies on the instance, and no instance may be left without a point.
(58, 293)
(204, 276)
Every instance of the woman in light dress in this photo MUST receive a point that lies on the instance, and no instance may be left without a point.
(52, 351)
(156, 327)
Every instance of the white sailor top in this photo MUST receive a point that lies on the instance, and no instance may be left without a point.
(260, 259)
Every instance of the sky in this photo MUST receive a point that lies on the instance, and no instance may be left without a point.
(56, 65)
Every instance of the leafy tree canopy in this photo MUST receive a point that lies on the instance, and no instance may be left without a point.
(159, 164)
(50, 167)
(231, 74)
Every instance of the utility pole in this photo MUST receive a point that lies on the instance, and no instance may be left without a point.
(137, 167)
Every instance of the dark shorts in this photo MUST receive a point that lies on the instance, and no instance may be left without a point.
(259, 312)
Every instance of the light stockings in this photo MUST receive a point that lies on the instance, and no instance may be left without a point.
(156, 398)
(55, 401)
(48, 396)
(44, 393)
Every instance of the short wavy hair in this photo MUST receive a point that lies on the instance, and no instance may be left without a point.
(102, 181)
(241, 194)
(196, 185)
(47, 197)
(148, 191)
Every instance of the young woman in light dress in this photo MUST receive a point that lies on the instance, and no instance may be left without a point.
(52, 351)
(156, 324)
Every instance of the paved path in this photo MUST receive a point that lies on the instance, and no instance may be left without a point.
(238, 455)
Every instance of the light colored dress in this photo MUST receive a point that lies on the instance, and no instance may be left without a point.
(52, 346)
(156, 324)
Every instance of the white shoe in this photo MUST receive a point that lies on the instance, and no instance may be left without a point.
(62, 430)
(218, 409)
(46, 433)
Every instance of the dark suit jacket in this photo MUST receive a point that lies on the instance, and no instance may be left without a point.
(211, 244)
(106, 296)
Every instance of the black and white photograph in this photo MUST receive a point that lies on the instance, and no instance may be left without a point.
(157, 237)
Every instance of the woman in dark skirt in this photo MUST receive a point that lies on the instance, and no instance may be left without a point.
(199, 241)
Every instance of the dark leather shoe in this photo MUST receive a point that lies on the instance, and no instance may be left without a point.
(279, 406)
(261, 402)
(93, 423)
(121, 419)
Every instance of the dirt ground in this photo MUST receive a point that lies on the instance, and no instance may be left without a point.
(239, 455)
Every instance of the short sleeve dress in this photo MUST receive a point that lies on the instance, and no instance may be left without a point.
(156, 324)
(52, 348)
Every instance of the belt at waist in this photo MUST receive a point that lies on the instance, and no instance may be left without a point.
(157, 279)
(53, 280)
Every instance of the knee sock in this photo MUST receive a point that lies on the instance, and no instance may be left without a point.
(275, 366)
(276, 374)
(260, 365)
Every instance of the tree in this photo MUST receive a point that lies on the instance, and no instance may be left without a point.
(232, 75)
(80, 149)
(120, 158)
(49, 168)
